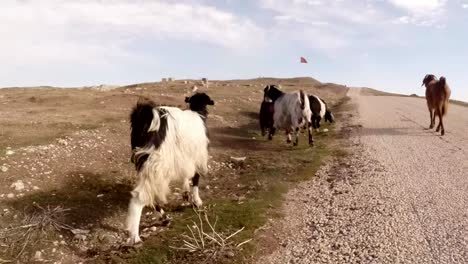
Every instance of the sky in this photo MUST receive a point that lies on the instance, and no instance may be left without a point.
(384, 44)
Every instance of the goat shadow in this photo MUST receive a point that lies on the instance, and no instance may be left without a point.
(246, 137)
(89, 196)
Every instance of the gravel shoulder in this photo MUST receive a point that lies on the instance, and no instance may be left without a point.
(400, 196)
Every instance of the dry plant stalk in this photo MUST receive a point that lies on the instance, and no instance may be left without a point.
(34, 225)
(209, 241)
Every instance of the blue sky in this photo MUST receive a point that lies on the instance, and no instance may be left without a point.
(384, 44)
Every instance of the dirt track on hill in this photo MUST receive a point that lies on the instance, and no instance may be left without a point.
(401, 196)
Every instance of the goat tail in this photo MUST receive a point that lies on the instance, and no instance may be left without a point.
(445, 91)
(141, 117)
(302, 98)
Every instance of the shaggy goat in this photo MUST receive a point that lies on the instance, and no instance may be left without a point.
(437, 97)
(168, 144)
(291, 111)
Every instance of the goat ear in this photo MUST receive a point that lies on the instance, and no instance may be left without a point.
(211, 102)
(187, 99)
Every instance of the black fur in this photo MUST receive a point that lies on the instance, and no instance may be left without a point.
(198, 103)
(140, 120)
(196, 179)
(266, 116)
(272, 92)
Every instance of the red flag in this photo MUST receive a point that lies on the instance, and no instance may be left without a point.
(303, 60)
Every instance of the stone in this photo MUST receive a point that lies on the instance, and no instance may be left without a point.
(18, 185)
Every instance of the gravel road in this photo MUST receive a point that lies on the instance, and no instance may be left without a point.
(401, 196)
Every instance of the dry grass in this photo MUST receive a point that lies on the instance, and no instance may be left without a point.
(33, 228)
(205, 241)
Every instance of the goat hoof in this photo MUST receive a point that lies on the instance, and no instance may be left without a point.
(442, 133)
(197, 203)
(438, 129)
(133, 240)
(270, 137)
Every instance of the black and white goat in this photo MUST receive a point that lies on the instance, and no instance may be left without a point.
(291, 111)
(168, 144)
(319, 110)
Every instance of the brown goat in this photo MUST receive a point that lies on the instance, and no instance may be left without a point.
(437, 97)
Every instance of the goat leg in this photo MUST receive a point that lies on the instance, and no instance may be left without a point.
(288, 136)
(440, 120)
(271, 132)
(311, 139)
(195, 195)
(296, 136)
(433, 116)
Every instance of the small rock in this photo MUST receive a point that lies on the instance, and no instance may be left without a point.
(35, 188)
(229, 254)
(207, 187)
(153, 229)
(80, 237)
(108, 239)
(18, 185)
(4, 168)
(99, 195)
(78, 231)
(10, 195)
(62, 142)
(38, 256)
(238, 160)
(325, 130)
(9, 152)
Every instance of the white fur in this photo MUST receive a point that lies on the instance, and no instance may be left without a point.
(289, 114)
(288, 111)
(183, 152)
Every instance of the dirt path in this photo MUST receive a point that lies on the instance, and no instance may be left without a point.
(400, 197)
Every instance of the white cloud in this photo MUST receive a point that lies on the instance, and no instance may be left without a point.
(328, 25)
(420, 12)
(419, 6)
(93, 32)
(464, 6)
